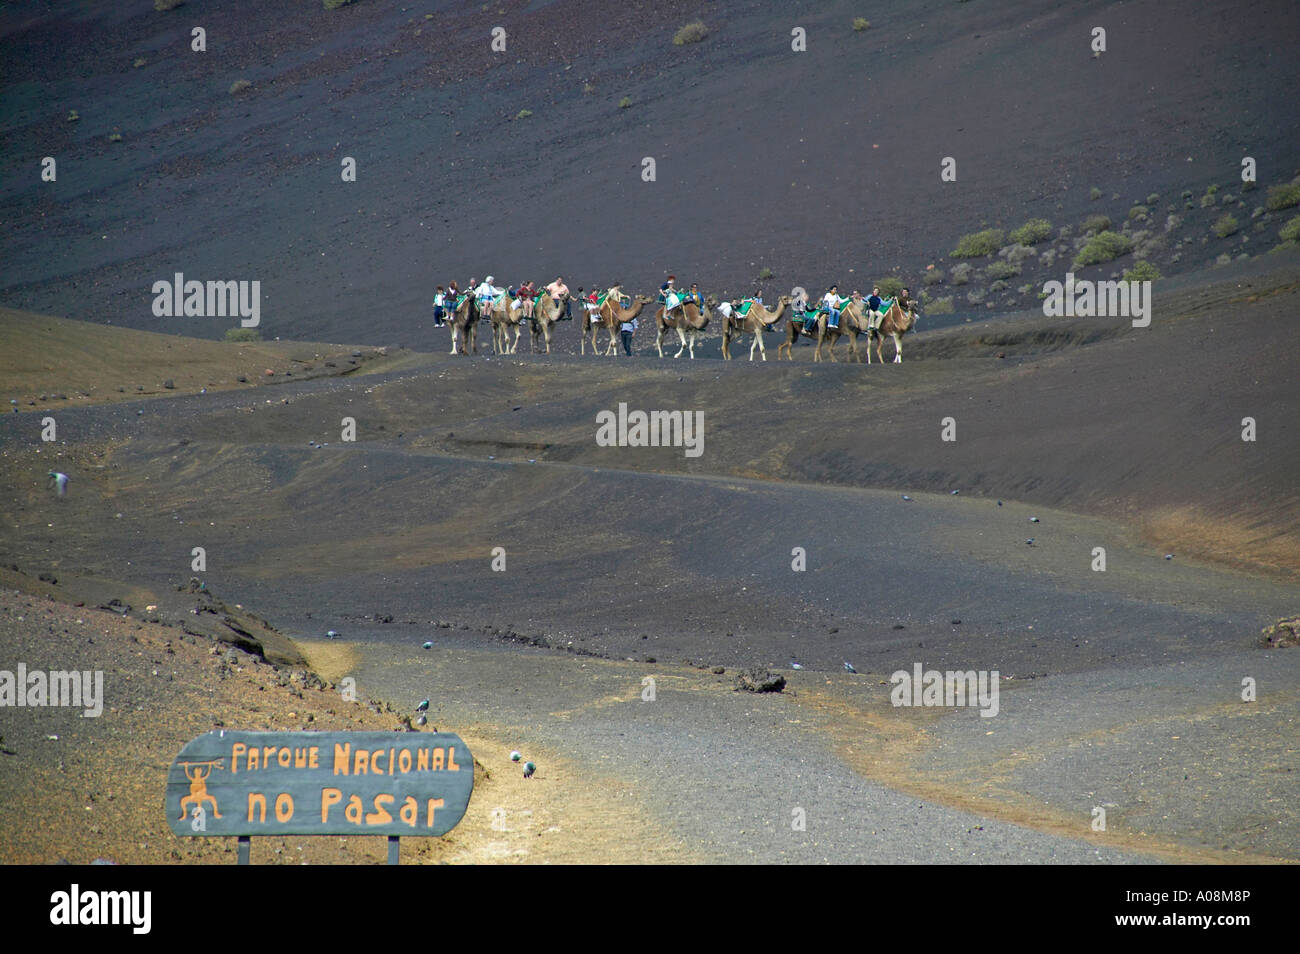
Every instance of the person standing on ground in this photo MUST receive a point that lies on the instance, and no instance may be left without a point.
(627, 330)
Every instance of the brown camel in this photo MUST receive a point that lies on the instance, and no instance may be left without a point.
(755, 322)
(610, 316)
(504, 317)
(794, 328)
(896, 323)
(853, 322)
(545, 314)
(464, 321)
(688, 319)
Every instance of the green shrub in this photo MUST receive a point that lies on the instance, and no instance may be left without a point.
(765, 274)
(933, 277)
(1103, 247)
(1153, 198)
(1137, 210)
(1283, 196)
(1208, 200)
(890, 287)
(860, 24)
(940, 306)
(1032, 232)
(242, 334)
(1096, 223)
(1226, 225)
(978, 244)
(691, 33)
(1290, 231)
(334, 4)
(167, 4)
(1094, 193)
(523, 114)
(139, 62)
(1000, 270)
(1210, 190)
(1142, 271)
(961, 274)
(238, 86)
(625, 102)
(115, 136)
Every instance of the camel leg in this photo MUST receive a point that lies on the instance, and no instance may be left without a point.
(726, 352)
(898, 348)
(453, 339)
(682, 337)
(692, 337)
(659, 341)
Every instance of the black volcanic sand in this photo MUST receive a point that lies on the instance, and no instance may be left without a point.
(1120, 689)
(822, 166)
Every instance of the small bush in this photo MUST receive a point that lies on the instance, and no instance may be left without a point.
(1283, 196)
(940, 306)
(961, 274)
(140, 61)
(691, 33)
(889, 286)
(860, 24)
(1153, 198)
(1138, 210)
(243, 334)
(935, 276)
(115, 136)
(1000, 270)
(1094, 193)
(1142, 271)
(978, 244)
(1032, 232)
(238, 86)
(334, 4)
(1211, 190)
(1103, 247)
(1208, 200)
(625, 102)
(167, 4)
(523, 114)
(1226, 225)
(1024, 289)
(588, 88)
(765, 274)
(1096, 223)
(1290, 231)
(73, 115)
(999, 286)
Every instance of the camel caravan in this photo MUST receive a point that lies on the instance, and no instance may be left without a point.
(684, 313)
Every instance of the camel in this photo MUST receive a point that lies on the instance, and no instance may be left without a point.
(464, 320)
(896, 323)
(610, 316)
(755, 322)
(546, 313)
(853, 322)
(688, 319)
(504, 317)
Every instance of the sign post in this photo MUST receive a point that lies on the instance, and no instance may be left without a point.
(319, 783)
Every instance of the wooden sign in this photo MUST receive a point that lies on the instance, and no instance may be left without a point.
(399, 784)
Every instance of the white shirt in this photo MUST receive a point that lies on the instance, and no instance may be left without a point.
(486, 291)
(833, 299)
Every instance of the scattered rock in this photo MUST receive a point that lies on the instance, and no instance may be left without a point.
(760, 680)
(170, 385)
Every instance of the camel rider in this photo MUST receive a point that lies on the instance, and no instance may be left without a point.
(527, 292)
(486, 295)
(695, 296)
(833, 303)
(905, 300)
(615, 294)
(799, 307)
(668, 296)
(558, 290)
(874, 302)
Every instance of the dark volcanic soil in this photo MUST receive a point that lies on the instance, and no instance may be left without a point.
(819, 166)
